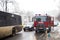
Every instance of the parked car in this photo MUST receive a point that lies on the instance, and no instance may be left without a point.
(28, 27)
(56, 23)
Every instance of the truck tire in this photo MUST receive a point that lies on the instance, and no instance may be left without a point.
(13, 31)
(37, 31)
(49, 29)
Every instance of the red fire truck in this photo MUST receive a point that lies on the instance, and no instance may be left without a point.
(43, 22)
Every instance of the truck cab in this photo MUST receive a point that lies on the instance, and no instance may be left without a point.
(41, 23)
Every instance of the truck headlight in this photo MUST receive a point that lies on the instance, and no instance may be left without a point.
(47, 28)
(34, 27)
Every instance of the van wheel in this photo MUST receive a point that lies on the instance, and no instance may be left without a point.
(13, 31)
(24, 29)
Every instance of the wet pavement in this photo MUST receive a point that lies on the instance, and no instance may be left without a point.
(26, 36)
(22, 36)
(33, 36)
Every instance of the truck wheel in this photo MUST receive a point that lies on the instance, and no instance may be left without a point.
(13, 31)
(49, 30)
(36, 31)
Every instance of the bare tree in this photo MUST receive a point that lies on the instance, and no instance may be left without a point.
(5, 3)
(58, 17)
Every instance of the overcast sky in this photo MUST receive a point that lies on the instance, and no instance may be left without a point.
(39, 6)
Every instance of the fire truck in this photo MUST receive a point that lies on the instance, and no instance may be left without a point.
(43, 23)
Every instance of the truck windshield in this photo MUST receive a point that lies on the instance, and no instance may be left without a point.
(41, 18)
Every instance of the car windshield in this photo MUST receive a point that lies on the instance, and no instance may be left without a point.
(29, 23)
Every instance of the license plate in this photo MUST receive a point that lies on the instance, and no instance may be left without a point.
(40, 28)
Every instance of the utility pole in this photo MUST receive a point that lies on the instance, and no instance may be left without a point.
(5, 5)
